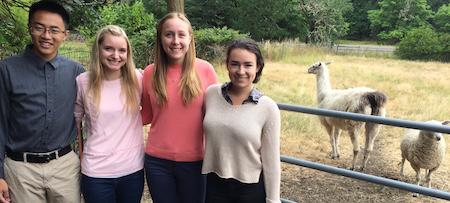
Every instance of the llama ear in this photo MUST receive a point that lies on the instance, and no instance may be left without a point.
(445, 122)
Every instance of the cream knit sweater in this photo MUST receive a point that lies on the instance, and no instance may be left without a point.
(243, 140)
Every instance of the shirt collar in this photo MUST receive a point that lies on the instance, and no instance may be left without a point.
(253, 97)
(29, 53)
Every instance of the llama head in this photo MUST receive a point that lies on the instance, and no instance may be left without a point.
(317, 67)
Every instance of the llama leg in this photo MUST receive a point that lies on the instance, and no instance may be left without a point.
(354, 138)
(337, 133)
(372, 131)
(330, 129)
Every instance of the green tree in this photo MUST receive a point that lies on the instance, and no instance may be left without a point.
(359, 24)
(395, 17)
(210, 13)
(13, 23)
(436, 4)
(324, 19)
(278, 21)
(157, 7)
(442, 19)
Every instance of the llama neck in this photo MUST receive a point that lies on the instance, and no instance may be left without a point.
(323, 84)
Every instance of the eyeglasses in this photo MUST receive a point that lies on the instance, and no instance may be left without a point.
(40, 29)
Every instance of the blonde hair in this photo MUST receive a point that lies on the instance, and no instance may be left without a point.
(129, 82)
(190, 84)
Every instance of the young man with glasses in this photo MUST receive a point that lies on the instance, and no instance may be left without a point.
(37, 94)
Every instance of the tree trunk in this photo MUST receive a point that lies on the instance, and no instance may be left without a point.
(175, 6)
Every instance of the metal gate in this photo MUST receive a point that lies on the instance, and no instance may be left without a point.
(358, 175)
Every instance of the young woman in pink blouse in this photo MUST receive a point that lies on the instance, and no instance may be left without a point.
(108, 100)
(172, 102)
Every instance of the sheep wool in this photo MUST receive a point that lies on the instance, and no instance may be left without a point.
(424, 150)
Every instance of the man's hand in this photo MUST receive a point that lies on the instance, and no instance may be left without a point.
(4, 192)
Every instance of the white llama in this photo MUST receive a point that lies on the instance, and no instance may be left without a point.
(361, 100)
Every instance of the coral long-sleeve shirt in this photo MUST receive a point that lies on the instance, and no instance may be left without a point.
(176, 131)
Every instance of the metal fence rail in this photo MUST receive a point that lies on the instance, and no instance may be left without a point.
(369, 178)
(358, 175)
(366, 118)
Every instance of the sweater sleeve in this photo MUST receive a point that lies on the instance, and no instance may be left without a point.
(146, 112)
(270, 153)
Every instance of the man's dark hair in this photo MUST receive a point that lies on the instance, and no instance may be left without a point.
(49, 6)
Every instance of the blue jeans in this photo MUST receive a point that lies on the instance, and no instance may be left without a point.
(174, 182)
(125, 189)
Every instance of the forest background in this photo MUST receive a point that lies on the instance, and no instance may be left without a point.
(419, 28)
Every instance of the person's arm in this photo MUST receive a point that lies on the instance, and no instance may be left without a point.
(270, 153)
(146, 112)
(4, 106)
(79, 114)
(80, 140)
(4, 192)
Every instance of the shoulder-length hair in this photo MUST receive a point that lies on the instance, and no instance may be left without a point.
(251, 46)
(190, 85)
(129, 82)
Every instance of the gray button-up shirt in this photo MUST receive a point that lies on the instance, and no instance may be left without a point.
(36, 103)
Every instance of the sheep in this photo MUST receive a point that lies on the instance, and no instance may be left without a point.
(361, 100)
(423, 149)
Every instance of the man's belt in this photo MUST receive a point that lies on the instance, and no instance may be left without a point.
(44, 157)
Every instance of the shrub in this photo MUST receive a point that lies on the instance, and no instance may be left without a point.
(211, 42)
(420, 44)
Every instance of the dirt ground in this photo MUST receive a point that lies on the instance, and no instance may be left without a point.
(308, 185)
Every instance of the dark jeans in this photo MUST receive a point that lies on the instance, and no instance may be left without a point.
(221, 190)
(174, 182)
(125, 189)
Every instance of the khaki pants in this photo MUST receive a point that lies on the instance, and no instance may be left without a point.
(55, 182)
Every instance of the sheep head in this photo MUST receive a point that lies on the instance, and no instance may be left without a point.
(433, 135)
(317, 67)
